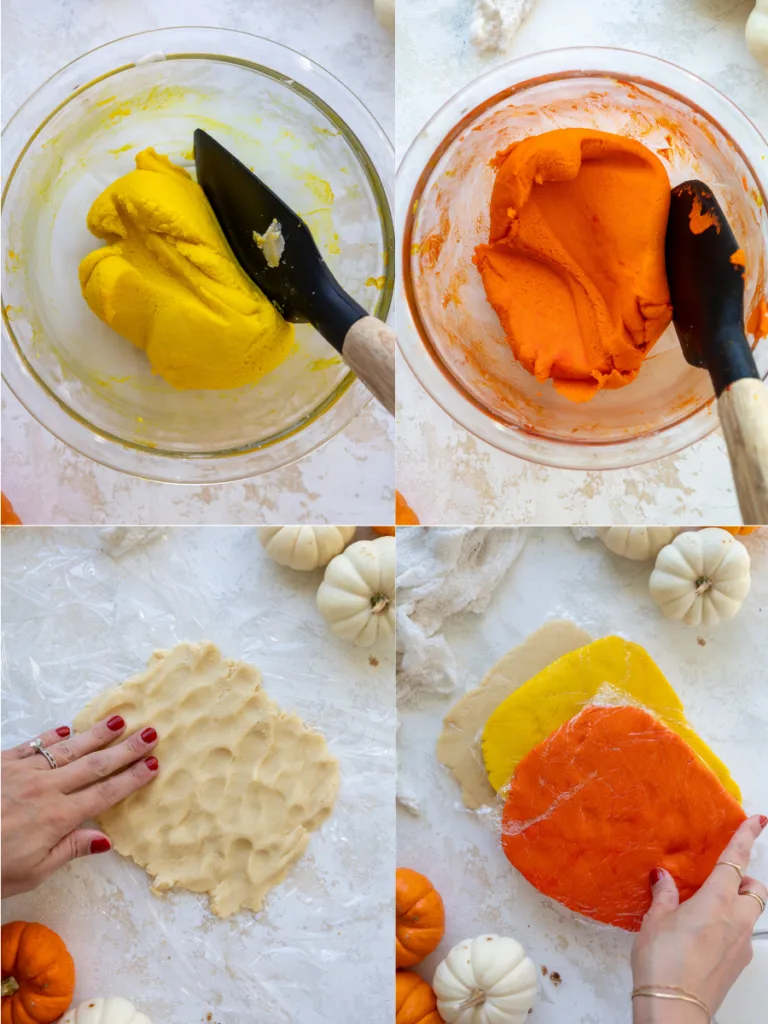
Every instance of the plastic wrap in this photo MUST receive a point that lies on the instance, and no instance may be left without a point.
(78, 620)
(441, 572)
(606, 798)
(595, 787)
(719, 675)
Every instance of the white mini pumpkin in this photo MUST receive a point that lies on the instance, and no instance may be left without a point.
(385, 12)
(487, 980)
(304, 547)
(701, 578)
(114, 1010)
(357, 595)
(636, 542)
(757, 32)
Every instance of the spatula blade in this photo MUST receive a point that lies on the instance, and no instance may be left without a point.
(300, 285)
(705, 269)
(243, 203)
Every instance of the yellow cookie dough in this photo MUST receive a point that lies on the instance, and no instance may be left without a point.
(241, 783)
(561, 690)
(168, 282)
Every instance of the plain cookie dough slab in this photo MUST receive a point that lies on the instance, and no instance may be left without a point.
(458, 747)
(241, 784)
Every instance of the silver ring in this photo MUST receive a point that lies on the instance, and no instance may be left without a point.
(755, 896)
(37, 746)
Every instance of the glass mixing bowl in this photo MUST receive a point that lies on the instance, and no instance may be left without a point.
(303, 132)
(450, 335)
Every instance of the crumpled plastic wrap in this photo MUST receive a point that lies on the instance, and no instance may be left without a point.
(495, 23)
(76, 621)
(441, 572)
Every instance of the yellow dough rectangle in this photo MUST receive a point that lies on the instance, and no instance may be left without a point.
(561, 690)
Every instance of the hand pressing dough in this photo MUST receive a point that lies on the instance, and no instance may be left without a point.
(241, 783)
(458, 747)
(607, 797)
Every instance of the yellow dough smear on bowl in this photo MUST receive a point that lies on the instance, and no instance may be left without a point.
(612, 671)
(574, 266)
(167, 281)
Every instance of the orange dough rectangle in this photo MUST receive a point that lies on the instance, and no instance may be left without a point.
(606, 798)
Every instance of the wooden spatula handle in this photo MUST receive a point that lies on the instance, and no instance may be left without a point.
(369, 351)
(743, 409)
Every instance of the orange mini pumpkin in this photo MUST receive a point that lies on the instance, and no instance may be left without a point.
(420, 917)
(740, 531)
(384, 531)
(7, 515)
(404, 514)
(38, 974)
(415, 1002)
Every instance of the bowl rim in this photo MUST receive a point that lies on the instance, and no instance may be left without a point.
(414, 174)
(349, 397)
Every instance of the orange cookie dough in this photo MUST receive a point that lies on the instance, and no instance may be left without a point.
(575, 267)
(606, 798)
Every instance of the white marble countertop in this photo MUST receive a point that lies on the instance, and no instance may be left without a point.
(721, 683)
(350, 479)
(445, 473)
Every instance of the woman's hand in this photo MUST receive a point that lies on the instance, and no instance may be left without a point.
(703, 945)
(43, 807)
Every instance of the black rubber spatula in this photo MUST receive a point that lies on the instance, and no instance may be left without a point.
(705, 268)
(301, 285)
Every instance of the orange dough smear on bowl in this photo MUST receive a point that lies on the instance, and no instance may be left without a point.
(575, 266)
(602, 801)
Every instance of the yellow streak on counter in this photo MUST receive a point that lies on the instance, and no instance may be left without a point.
(324, 364)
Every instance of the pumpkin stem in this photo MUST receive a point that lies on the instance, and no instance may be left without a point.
(379, 602)
(10, 985)
(475, 998)
(703, 584)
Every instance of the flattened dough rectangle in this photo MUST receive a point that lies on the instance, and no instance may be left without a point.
(458, 747)
(241, 784)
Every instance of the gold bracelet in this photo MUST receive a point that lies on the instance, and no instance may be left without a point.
(672, 992)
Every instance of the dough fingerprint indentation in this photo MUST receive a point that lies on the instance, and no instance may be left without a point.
(241, 786)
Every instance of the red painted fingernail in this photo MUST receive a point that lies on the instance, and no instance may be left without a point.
(149, 735)
(151, 763)
(116, 723)
(763, 821)
(656, 876)
(100, 845)
(63, 731)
